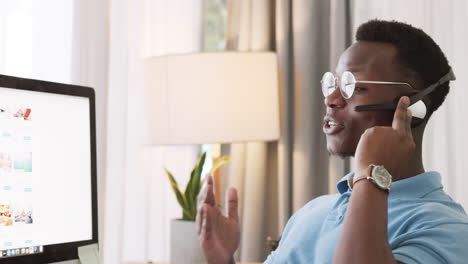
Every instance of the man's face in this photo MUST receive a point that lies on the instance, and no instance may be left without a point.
(368, 61)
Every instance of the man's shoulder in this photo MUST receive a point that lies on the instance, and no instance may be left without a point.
(427, 213)
(442, 211)
(431, 231)
(422, 200)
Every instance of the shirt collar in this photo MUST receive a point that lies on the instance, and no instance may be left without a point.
(415, 187)
(342, 184)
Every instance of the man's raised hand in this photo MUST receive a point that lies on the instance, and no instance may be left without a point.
(219, 235)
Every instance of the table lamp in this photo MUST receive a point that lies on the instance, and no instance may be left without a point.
(213, 97)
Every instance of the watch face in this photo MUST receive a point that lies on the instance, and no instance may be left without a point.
(382, 177)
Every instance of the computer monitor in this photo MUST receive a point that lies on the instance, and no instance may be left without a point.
(48, 187)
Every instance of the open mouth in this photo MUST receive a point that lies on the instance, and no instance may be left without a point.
(331, 127)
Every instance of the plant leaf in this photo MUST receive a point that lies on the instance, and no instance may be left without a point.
(180, 196)
(186, 215)
(197, 175)
(193, 188)
(191, 204)
(220, 162)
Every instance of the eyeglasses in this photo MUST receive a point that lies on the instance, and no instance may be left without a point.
(347, 84)
(417, 106)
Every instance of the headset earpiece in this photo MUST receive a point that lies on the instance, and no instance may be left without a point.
(418, 111)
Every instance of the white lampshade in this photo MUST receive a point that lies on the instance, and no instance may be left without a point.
(218, 97)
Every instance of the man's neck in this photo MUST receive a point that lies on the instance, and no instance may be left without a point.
(415, 165)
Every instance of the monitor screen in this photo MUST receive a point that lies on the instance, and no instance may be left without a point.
(47, 171)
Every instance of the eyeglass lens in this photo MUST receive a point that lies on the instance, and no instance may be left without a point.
(347, 84)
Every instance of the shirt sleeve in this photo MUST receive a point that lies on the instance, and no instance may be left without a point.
(446, 243)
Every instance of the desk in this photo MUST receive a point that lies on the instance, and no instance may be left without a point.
(169, 263)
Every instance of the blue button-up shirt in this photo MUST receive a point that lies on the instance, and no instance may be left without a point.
(424, 225)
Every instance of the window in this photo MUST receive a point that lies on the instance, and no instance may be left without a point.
(214, 21)
(36, 39)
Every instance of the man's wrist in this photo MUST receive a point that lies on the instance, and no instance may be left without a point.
(375, 174)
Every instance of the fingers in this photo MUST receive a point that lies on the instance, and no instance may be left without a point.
(401, 121)
(408, 127)
(210, 198)
(205, 198)
(199, 219)
(206, 195)
(232, 200)
(205, 212)
(206, 223)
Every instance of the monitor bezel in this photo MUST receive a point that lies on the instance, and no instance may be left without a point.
(64, 251)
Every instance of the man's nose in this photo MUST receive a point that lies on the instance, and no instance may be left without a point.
(335, 99)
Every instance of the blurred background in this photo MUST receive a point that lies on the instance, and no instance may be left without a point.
(102, 44)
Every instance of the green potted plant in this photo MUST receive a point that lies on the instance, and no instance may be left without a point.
(184, 239)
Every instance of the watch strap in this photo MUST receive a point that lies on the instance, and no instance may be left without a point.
(365, 176)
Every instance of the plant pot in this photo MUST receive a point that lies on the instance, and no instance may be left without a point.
(185, 245)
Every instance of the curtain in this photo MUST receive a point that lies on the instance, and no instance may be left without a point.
(248, 170)
(445, 146)
(89, 57)
(139, 201)
(276, 179)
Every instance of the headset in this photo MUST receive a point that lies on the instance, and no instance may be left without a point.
(417, 106)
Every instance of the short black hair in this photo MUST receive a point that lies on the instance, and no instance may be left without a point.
(416, 52)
